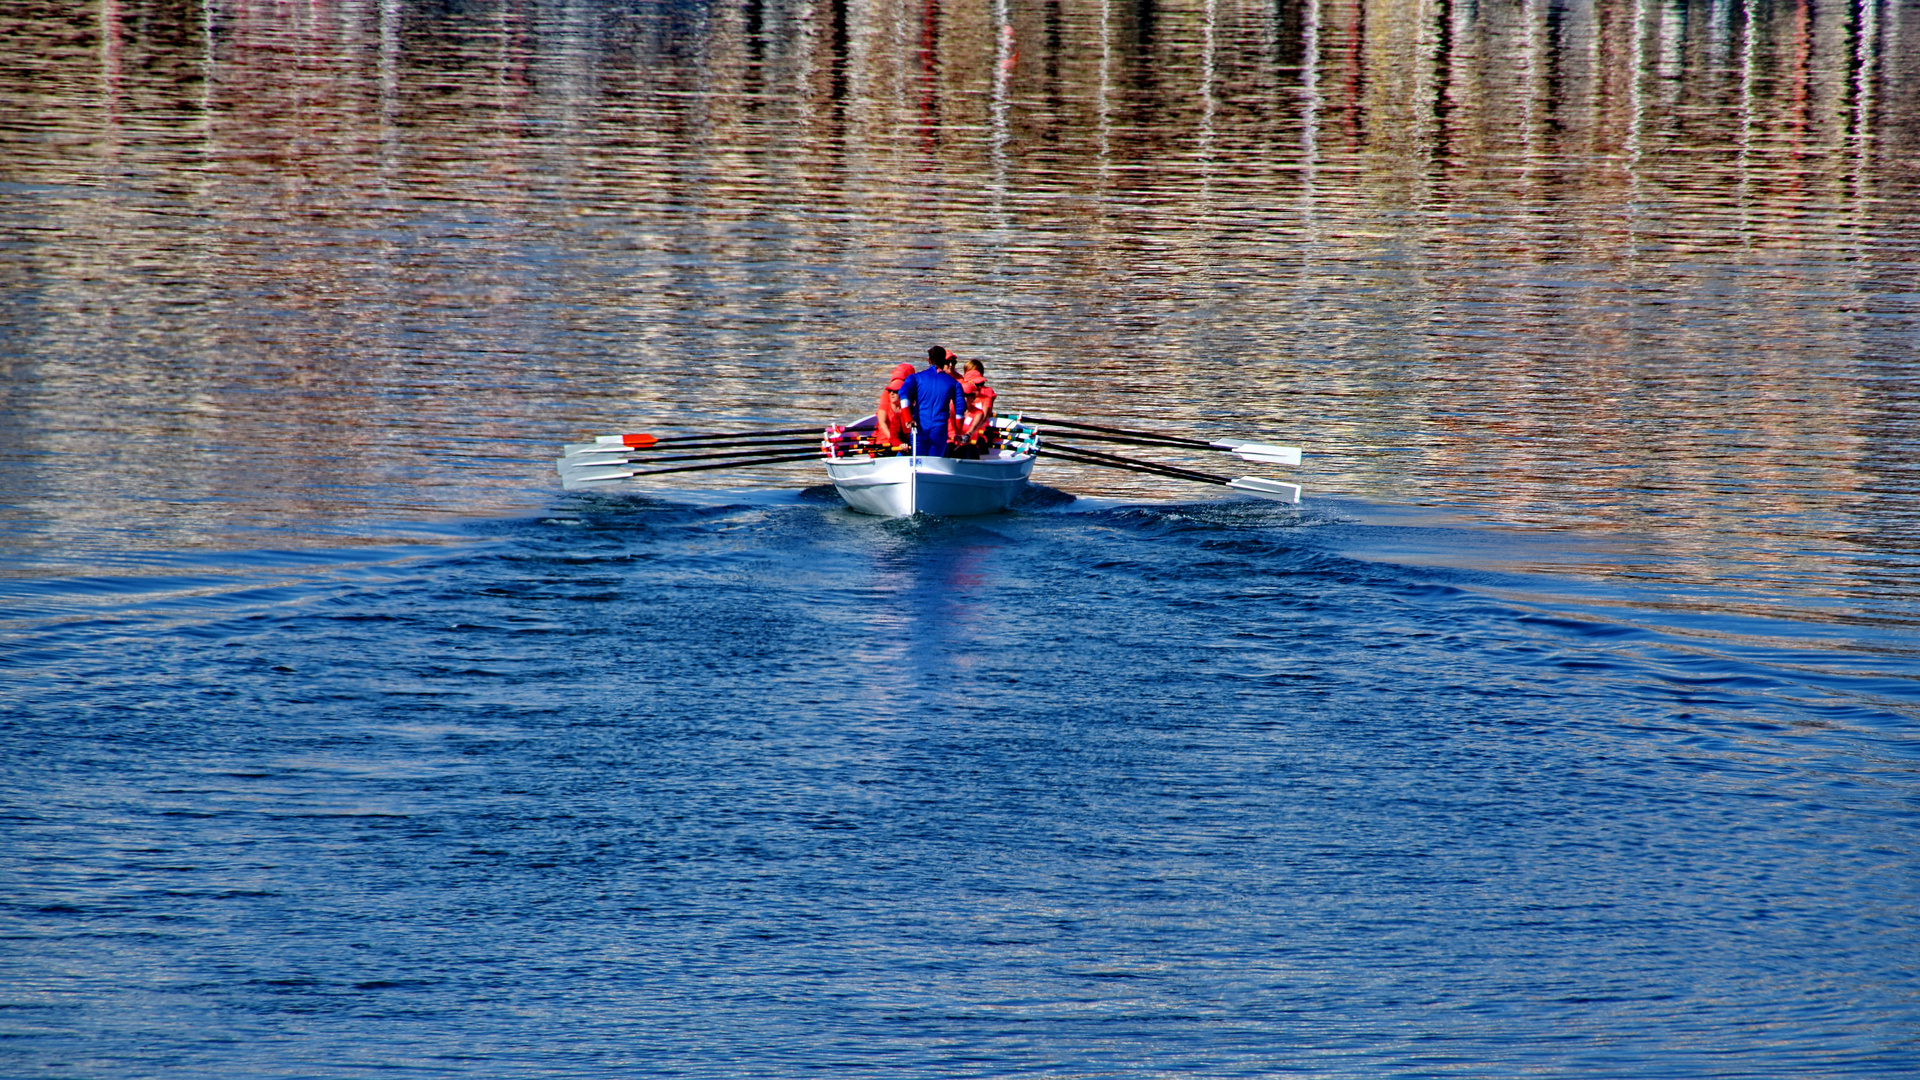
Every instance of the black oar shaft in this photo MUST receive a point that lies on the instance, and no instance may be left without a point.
(814, 456)
(729, 436)
(1173, 440)
(751, 451)
(1095, 457)
(1136, 440)
(721, 444)
(1176, 474)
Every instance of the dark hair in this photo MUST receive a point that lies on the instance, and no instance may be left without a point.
(938, 355)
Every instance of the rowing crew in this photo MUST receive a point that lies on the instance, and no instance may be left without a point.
(930, 413)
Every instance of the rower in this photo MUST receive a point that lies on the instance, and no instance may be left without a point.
(974, 427)
(935, 399)
(890, 421)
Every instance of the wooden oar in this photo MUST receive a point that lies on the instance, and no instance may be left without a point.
(1277, 490)
(590, 475)
(1264, 453)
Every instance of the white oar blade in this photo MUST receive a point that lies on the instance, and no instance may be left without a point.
(589, 473)
(1268, 454)
(1277, 490)
(580, 461)
(593, 461)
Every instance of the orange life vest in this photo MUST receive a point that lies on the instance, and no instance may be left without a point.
(890, 423)
(979, 407)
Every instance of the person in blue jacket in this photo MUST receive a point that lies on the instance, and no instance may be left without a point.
(934, 398)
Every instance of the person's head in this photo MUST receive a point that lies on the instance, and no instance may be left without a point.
(901, 373)
(940, 358)
(977, 368)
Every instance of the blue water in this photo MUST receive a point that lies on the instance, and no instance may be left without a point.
(763, 787)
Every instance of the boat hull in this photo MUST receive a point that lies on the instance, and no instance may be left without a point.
(946, 487)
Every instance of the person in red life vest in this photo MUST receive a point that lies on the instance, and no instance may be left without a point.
(973, 429)
(935, 399)
(890, 423)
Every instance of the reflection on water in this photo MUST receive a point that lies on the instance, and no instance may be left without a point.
(320, 268)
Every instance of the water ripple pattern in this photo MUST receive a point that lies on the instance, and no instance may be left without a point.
(655, 789)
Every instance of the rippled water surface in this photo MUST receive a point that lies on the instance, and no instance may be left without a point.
(1570, 726)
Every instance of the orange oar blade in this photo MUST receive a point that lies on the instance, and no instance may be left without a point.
(639, 441)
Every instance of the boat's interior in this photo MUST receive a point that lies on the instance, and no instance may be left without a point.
(1009, 438)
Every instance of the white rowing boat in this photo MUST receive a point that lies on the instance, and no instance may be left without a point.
(903, 485)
